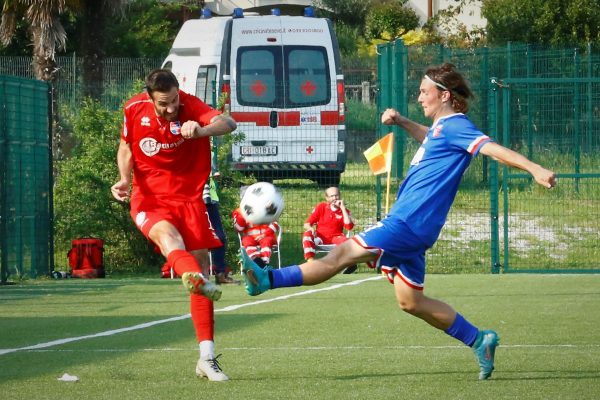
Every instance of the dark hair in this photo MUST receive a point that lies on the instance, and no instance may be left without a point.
(447, 75)
(161, 80)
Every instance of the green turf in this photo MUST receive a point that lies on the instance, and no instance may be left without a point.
(350, 342)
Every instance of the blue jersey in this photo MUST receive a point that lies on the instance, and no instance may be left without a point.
(435, 172)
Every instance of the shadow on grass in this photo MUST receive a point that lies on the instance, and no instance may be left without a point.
(546, 375)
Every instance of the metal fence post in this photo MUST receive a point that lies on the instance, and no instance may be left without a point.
(493, 182)
(576, 117)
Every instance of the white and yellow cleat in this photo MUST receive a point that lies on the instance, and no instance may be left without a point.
(196, 283)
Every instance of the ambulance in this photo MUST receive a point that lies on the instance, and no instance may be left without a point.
(284, 87)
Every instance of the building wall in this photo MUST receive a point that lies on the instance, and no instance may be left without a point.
(289, 7)
(470, 16)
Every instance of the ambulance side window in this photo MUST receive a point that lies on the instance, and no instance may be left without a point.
(307, 75)
(257, 76)
(206, 83)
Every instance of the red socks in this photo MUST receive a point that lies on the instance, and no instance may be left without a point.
(201, 308)
(183, 261)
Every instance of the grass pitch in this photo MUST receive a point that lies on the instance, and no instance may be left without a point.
(332, 341)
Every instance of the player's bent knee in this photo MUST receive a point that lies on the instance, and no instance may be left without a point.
(409, 307)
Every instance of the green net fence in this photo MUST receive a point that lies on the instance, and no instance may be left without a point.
(544, 105)
(25, 178)
(540, 102)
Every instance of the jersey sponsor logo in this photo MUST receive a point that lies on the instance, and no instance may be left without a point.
(151, 147)
(437, 131)
(175, 128)
(124, 127)
(145, 121)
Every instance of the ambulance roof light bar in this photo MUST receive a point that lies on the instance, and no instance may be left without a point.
(205, 13)
(238, 13)
(309, 12)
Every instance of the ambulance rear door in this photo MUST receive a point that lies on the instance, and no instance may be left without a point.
(284, 97)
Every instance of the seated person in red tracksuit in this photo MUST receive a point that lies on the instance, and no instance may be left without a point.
(326, 224)
(257, 240)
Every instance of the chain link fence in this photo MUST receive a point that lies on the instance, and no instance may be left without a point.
(25, 178)
(540, 102)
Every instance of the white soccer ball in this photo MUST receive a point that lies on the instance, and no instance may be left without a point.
(261, 203)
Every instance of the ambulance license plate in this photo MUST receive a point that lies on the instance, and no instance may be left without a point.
(258, 150)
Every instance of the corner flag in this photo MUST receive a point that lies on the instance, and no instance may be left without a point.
(379, 155)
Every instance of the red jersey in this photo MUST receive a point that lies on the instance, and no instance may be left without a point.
(329, 222)
(247, 229)
(164, 163)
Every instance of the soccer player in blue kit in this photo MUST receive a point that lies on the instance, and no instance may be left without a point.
(397, 244)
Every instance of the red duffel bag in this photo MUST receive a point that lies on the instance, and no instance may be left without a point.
(86, 258)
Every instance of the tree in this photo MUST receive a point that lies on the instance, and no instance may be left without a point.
(446, 28)
(148, 28)
(45, 30)
(389, 19)
(547, 22)
(348, 12)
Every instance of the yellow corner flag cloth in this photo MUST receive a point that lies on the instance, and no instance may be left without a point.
(379, 155)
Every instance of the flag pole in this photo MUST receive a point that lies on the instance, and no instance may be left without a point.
(389, 173)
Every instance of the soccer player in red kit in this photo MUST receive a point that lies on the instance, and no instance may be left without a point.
(326, 223)
(165, 145)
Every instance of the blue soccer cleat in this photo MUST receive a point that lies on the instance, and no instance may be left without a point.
(484, 349)
(256, 278)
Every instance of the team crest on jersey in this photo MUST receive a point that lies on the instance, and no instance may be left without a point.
(175, 128)
(149, 146)
(437, 131)
(145, 121)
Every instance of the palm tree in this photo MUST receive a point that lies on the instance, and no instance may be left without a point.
(46, 32)
(48, 36)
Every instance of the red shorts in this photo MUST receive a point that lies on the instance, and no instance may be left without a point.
(190, 219)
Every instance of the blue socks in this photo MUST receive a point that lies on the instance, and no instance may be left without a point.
(286, 277)
(463, 330)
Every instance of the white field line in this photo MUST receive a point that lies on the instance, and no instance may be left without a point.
(587, 346)
(145, 325)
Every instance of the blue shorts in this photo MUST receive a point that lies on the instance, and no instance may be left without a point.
(399, 252)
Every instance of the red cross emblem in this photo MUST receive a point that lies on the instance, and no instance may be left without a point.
(308, 88)
(309, 149)
(258, 88)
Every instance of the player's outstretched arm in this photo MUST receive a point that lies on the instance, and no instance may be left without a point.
(506, 156)
(416, 130)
